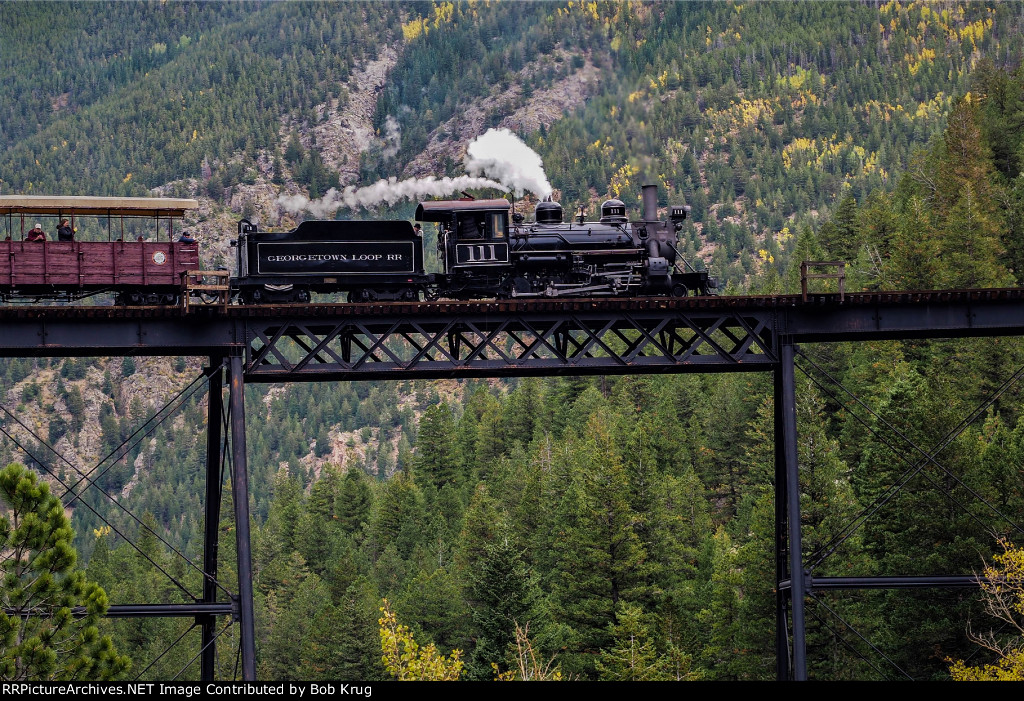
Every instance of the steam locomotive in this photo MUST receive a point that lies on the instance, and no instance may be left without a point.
(485, 251)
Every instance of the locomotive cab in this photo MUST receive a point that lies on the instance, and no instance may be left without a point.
(472, 243)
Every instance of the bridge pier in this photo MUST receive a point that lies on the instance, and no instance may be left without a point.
(240, 496)
(214, 465)
(790, 585)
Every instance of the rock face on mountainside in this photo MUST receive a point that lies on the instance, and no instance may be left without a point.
(522, 114)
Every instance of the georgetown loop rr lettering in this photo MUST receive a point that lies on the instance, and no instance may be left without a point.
(330, 256)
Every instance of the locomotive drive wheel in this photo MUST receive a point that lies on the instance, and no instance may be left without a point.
(679, 290)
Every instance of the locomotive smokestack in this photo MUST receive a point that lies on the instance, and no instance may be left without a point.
(650, 200)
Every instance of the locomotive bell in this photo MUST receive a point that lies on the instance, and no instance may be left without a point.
(549, 213)
(613, 212)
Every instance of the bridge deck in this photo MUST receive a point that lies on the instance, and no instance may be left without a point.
(507, 337)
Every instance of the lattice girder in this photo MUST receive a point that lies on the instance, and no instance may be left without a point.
(510, 344)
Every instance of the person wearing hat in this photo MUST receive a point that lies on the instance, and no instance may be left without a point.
(65, 232)
(36, 234)
(418, 229)
(186, 238)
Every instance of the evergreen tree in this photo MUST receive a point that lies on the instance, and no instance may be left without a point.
(399, 518)
(434, 463)
(41, 640)
(433, 604)
(318, 528)
(633, 655)
(723, 615)
(600, 559)
(839, 236)
(503, 593)
(352, 504)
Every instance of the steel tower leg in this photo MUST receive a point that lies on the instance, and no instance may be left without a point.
(797, 588)
(212, 520)
(782, 657)
(240, 495)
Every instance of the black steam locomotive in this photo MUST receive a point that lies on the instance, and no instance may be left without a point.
(482, 252)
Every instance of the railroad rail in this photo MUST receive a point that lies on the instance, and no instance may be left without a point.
(747, 302)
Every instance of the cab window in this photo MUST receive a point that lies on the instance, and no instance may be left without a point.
(471, 226)
(497, 225)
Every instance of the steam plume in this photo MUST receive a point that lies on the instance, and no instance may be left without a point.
(501, 155)
(507, 163)
(384, 191)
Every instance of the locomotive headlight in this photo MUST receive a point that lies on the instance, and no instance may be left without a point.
(679, 213)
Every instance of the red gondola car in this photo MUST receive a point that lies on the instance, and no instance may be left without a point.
(140, 260)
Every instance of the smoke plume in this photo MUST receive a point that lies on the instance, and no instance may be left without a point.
(387, 191)
(501, 155)
(498, 159)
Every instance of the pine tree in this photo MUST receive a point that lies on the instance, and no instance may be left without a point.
(633, 655)
(479, 528)
(839, 236)
(503, 593)
(399, 519)
(723, 615)
(318, 529)
(41, 640)
(600, 560)
(352, 504)
(432, 603)
(920, 529)
(434, 463)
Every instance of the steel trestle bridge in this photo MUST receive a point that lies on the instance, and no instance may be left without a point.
(505, 338)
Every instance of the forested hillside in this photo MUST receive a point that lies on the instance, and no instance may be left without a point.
(627, 522)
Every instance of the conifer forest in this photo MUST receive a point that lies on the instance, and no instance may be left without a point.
(574, 528)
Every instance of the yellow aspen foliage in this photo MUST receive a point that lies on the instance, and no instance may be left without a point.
(621, 180)
(1008, 669)
(413, 29)
(443, 13)
(406, 660)
(1002, 588)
